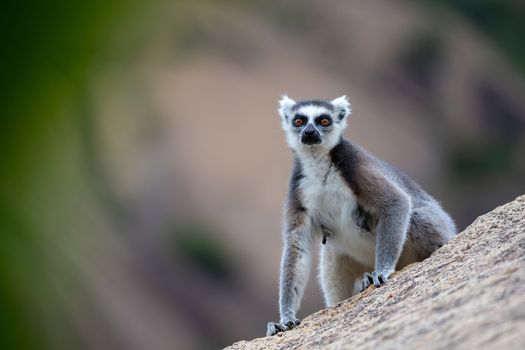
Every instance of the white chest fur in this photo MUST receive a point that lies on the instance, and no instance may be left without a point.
(332, 204)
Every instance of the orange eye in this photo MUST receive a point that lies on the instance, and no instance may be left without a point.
(325, 122)
(298, 122)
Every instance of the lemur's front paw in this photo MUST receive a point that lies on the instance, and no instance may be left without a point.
(287, 324)
(375, 278)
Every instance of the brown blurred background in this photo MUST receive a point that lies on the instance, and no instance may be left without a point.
(144, 170)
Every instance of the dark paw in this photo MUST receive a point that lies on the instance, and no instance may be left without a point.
(274, 327)
(377, 279)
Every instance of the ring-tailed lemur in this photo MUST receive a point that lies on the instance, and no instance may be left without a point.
(367, 214)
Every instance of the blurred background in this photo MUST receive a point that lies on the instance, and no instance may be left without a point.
(143, 169)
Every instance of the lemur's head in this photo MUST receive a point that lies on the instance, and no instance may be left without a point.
(313, 124)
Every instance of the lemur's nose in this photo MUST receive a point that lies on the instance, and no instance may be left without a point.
(309, 131)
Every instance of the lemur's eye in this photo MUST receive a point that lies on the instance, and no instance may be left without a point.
(325, 121)
(298, 121)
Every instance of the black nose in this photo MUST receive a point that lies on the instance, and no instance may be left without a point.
(310, 136)
(309, 131)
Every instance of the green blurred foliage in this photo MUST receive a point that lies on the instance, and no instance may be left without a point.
(199, 244)
(470, 162)
(49, 49)
(501, 20)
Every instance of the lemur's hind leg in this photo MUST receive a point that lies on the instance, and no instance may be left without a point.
(339, 275)
(430, 228)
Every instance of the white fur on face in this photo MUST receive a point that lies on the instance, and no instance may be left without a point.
(341, 109)
(313, 111)
(329, 139)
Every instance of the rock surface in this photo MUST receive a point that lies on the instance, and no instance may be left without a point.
(470, 294)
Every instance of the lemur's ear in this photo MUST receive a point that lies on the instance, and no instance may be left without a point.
(342, 107)
(285, 107)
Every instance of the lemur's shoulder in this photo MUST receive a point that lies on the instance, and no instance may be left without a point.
(374, 181)
(349, 159)
(360, 169)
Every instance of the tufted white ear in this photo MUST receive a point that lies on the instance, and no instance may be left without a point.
(285, 107)
(342, 107)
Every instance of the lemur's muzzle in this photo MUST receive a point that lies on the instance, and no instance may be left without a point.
(310, 135)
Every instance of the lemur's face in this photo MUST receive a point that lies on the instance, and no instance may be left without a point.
(313, 124)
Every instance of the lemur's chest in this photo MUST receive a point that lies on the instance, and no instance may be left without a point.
(332, 206)
(327, 197)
